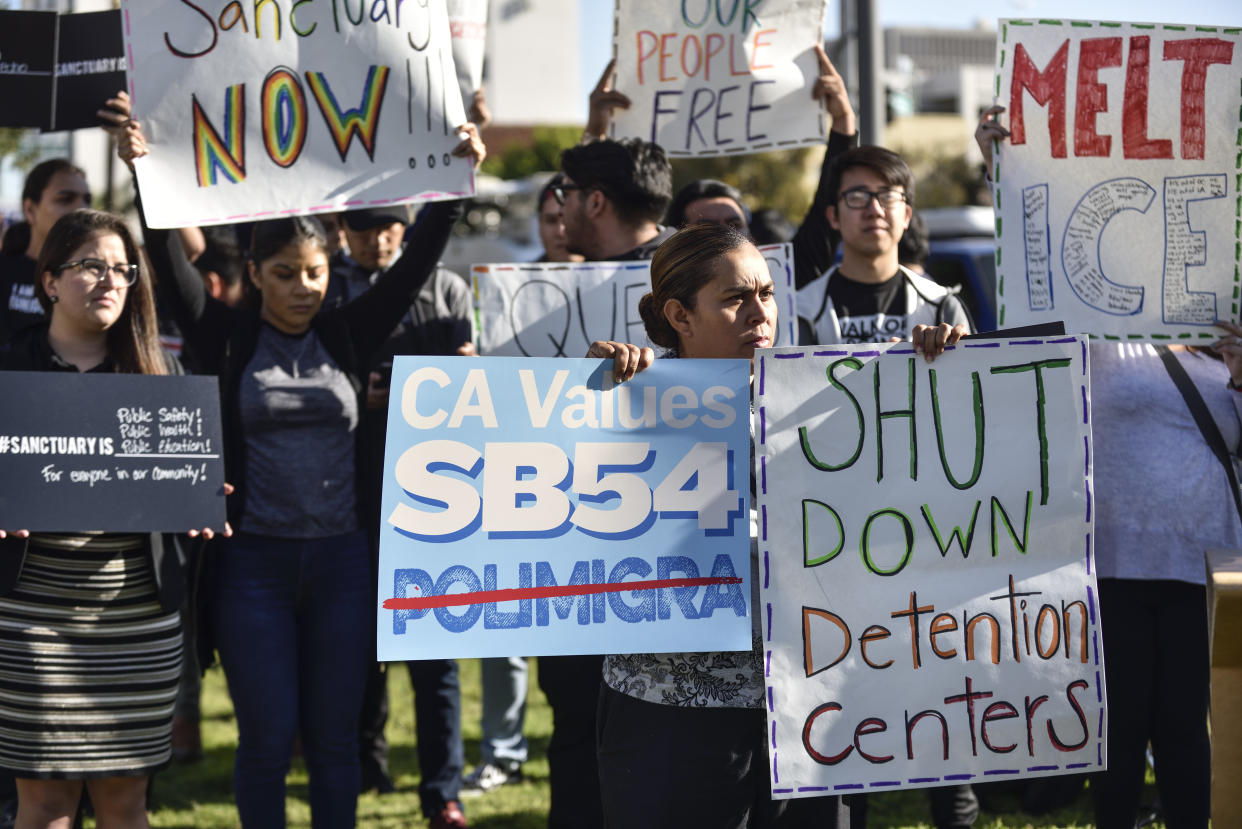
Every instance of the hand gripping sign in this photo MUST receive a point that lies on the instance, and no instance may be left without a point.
(255, 111)
(1117, 198)
(531, 507)
(928, 598)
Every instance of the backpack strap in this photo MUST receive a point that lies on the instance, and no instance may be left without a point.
(1203, 418)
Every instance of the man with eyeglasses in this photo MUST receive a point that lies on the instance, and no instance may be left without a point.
(613, 198)
(869, 296)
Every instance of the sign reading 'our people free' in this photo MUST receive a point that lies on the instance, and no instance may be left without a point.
(532, 507)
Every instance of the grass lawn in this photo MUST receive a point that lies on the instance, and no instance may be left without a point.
(201, 795)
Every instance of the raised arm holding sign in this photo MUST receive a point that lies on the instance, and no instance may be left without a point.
(716, 78)
(277, 111)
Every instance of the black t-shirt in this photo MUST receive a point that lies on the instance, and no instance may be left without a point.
(18, 306)
(869, 313)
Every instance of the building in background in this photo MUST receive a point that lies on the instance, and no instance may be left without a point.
(533, 69)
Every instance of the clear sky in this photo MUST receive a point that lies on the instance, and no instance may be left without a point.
(597, 17)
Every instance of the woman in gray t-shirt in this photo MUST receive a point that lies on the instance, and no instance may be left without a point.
(293, 592)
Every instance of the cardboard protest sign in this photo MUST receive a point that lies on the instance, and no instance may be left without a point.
(711, 77)
(1116, 195)
(557, 309)
(114, 452)
(27, 65)
(925, 547)
(468, 30)
(531, 508)
(281, 110)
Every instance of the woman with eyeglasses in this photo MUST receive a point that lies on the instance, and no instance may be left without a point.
(90, 635)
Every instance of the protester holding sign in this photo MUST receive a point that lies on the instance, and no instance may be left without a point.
(707, 200)
(90, 636)
(869, 297)
(293, 590)
(1162, 499)
(681, 737)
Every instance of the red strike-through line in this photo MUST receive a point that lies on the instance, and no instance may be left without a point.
(550, 592)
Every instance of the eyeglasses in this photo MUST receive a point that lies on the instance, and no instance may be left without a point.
(860, 198)
(98, 270)
(559, 191)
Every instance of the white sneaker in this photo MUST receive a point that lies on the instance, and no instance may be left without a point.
(488, 776)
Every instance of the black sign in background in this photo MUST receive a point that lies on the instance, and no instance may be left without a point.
(91, 36)
(155, 463)
(27, 58)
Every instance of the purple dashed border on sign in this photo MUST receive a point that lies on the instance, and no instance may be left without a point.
(1087, 561)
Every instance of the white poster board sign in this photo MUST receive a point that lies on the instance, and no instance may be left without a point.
(557, 309)
(468, 30)
(264, 110)
(928, 596)
(1116, 195)
(714, 78)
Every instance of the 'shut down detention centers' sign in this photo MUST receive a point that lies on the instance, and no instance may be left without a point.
(928, 609)
(255, 111)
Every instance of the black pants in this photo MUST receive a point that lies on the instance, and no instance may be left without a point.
(667, 766)
(571, 684)
(1156, 664)
(437, 727)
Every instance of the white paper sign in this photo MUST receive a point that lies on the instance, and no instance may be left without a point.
(928, 603)
(264, 110)
(557, 309)
(468, 29)
(1117, 193)
(710, 77)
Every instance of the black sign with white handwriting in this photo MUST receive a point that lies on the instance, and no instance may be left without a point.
(115, 452)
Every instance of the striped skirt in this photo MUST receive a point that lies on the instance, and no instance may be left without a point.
(89, 662)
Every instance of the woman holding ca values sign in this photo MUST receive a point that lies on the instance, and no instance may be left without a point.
(90, 635)
(670, 723)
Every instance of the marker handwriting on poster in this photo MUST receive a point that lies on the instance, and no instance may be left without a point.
(356, 97)
(710, 77)
(1107, 121)
(1050, 86)
(912, 529)
(220, 145)
(928, 607)
(131, 452)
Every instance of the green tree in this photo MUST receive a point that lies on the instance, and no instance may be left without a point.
(518, 160)
(12, 142)
(784, 180)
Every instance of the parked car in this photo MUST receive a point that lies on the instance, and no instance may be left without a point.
(963, 253)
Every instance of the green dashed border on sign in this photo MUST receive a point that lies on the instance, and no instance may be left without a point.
(1237, 244)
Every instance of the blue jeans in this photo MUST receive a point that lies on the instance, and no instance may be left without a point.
(504, 711)
(293, 621)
